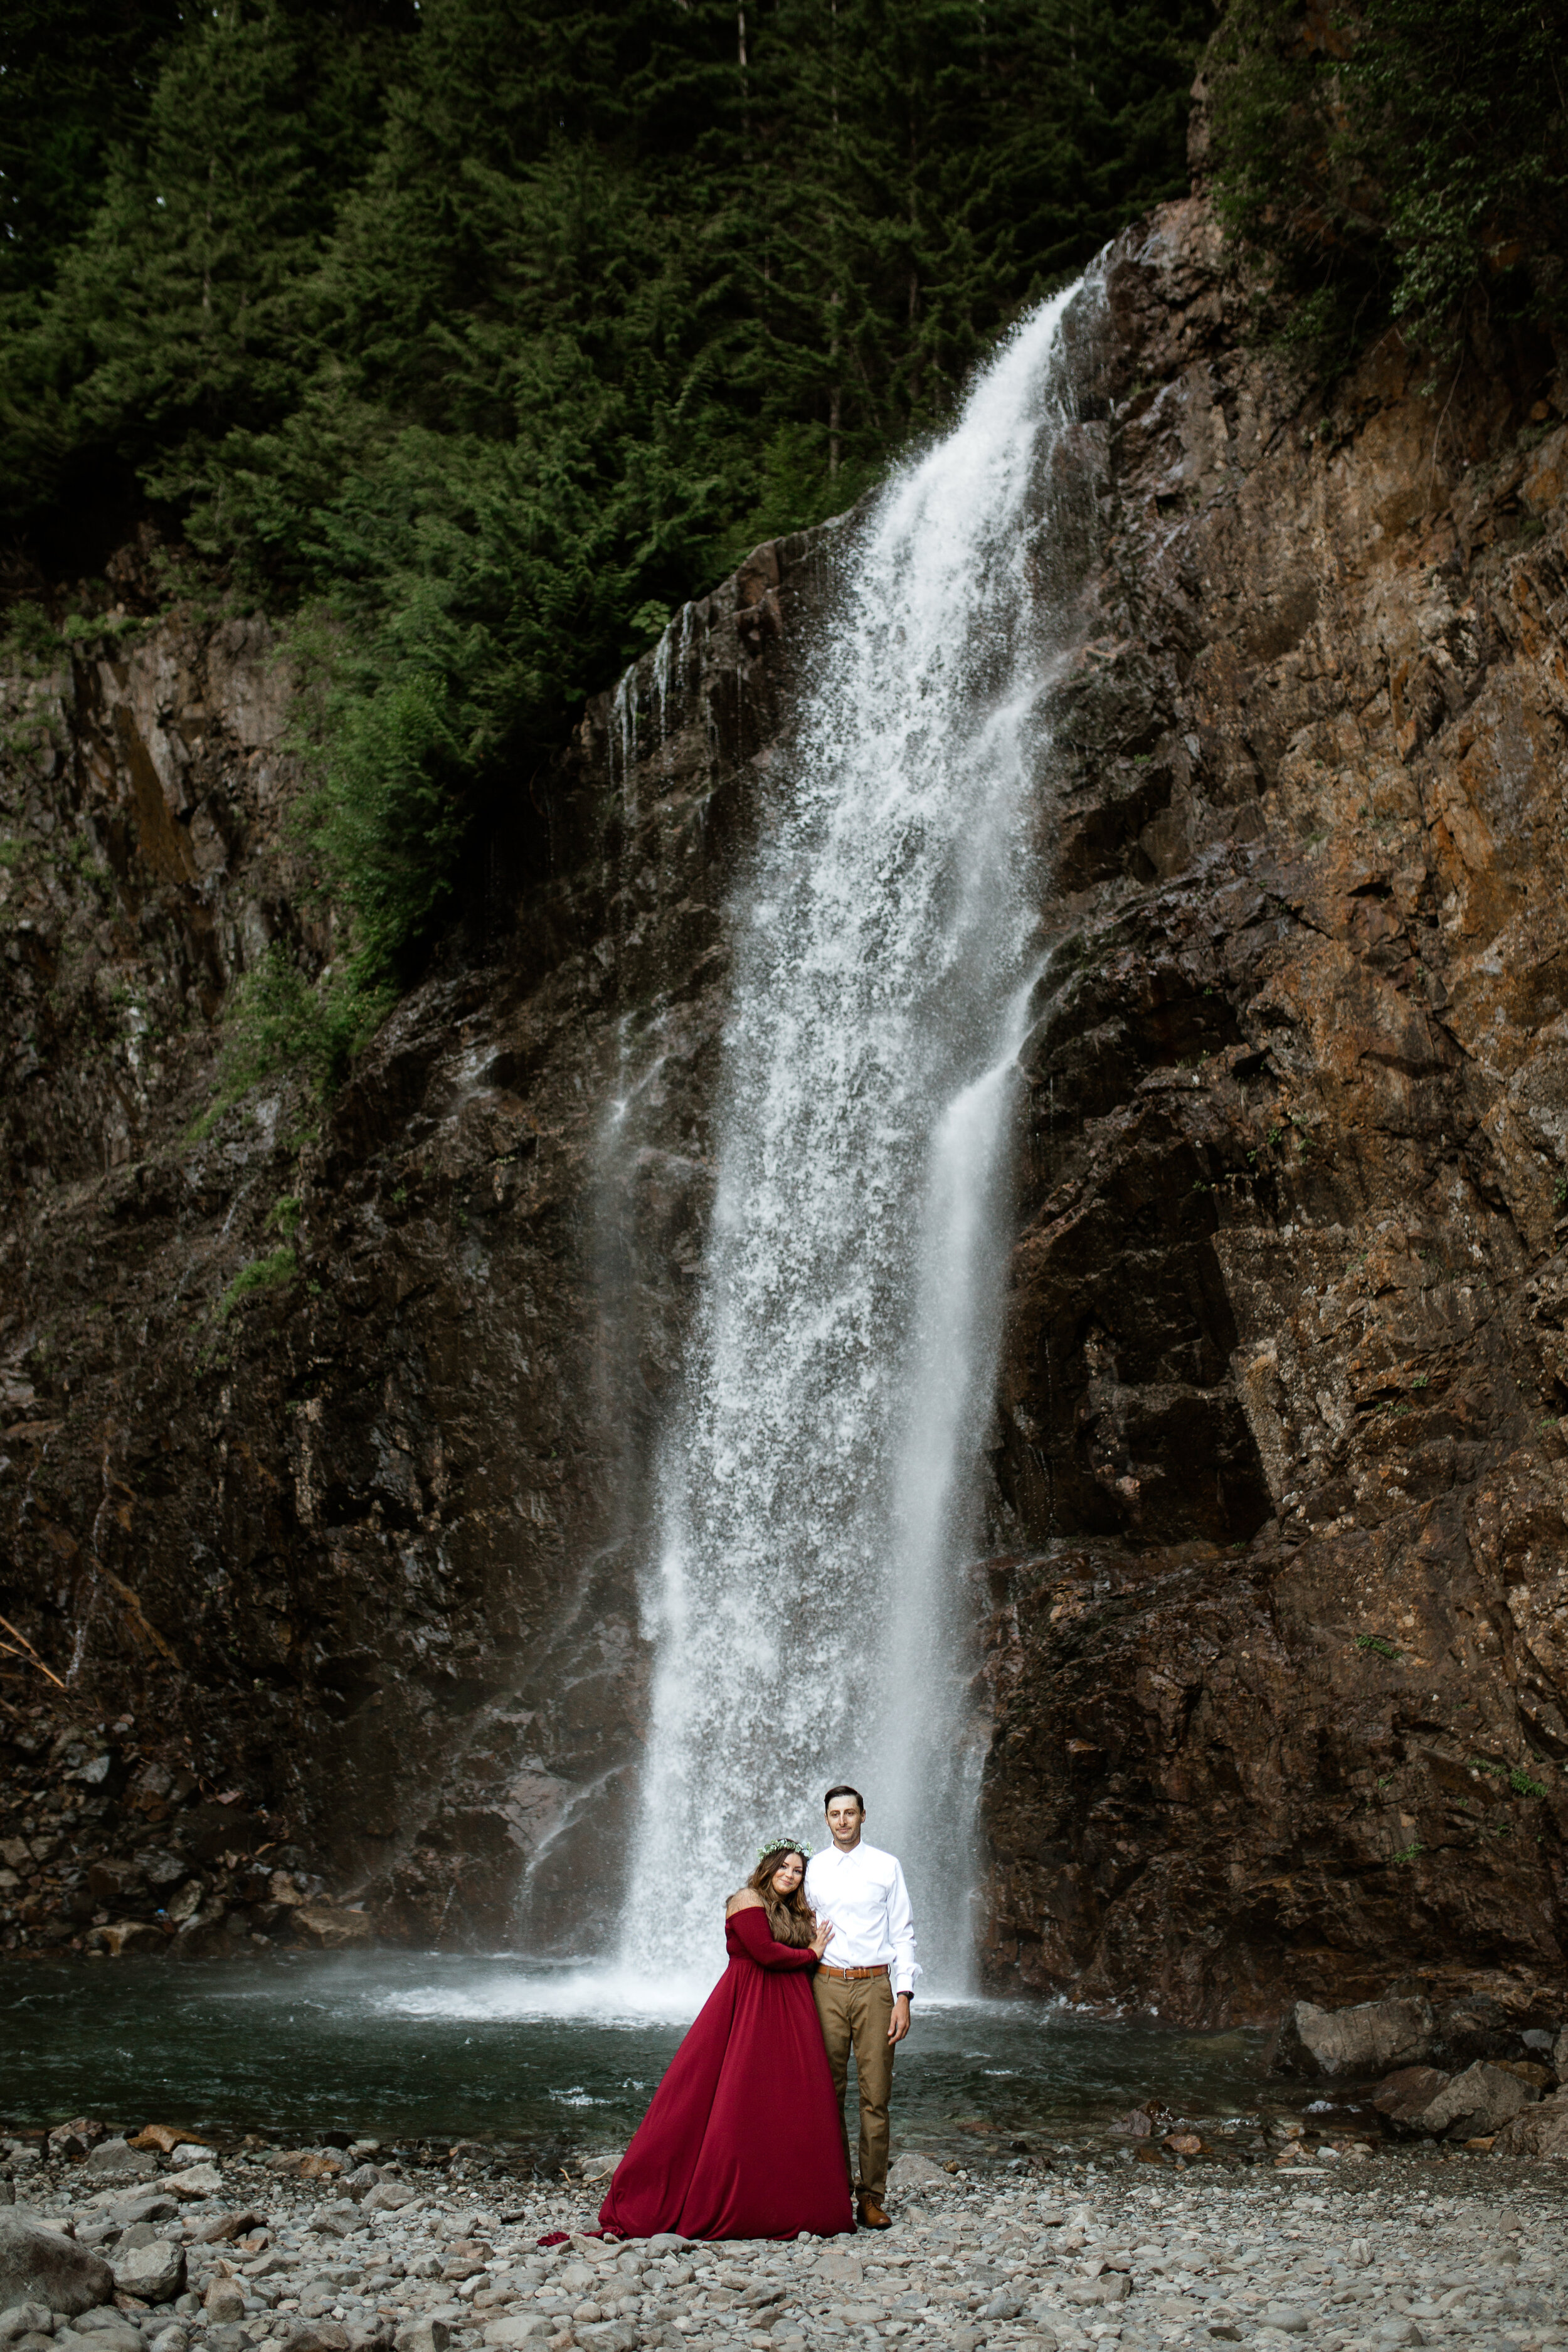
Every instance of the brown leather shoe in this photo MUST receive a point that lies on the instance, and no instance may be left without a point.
(870, 2216)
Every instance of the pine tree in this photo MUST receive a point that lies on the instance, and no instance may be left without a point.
(186, 306)
(76, 77)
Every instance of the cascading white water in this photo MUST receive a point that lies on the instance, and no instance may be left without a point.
(817, 1487)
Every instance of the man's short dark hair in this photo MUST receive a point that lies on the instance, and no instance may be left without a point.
(844, 1790)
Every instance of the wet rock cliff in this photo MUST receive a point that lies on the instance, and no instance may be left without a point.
(322, 1450)
(1279, 1665)
(326, 1435)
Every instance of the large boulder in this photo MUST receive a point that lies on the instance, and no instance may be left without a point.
(1365, 2041)
(122, 1938)
(24, 2319)
(42, 2265)
(1537, 2131)
(116, 2159)
(389, 2196)
(1543, 2078)
(1404, 2097)
(100, 2331)
(308, 2164)
(196, 2180)
(223, 2228)
(126, 2207)
(1479, 2025)
(154, 2271)
(340, 2219)
(1110, 2286)
(912, 2174)
(423, 2335)
(331, 1930)
(1477, 2102)
(162, 2140)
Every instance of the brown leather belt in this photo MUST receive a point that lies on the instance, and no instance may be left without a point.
(879, 1970)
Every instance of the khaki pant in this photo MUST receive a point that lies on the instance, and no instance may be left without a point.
(856, 2012)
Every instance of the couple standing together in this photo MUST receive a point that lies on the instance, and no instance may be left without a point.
(746, 2136)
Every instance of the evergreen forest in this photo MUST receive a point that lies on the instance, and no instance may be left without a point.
(468, 337)
(473, 337)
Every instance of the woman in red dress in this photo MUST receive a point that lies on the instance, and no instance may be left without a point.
(743, 2139)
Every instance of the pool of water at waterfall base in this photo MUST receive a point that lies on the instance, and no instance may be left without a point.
(421, 2046)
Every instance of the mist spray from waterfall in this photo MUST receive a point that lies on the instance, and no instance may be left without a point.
(818, 1489)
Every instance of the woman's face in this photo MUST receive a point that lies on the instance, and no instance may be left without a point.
(788, 1872)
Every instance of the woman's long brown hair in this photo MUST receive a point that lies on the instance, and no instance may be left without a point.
(789, 1917)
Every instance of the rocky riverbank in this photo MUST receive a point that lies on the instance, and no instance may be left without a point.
(341, 2250)
(1468, 2071)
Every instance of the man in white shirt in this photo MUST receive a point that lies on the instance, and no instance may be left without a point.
(864, 1982)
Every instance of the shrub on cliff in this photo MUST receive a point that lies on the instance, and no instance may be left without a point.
(1396, 161)
(278, 1022)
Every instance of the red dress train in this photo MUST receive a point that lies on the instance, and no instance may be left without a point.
(742, 2138)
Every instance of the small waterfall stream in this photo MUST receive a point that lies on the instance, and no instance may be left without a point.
(817, 1486)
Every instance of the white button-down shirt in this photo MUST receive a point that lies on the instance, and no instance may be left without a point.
(864, 1895)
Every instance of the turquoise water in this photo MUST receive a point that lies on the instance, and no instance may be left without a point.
(418, 2045)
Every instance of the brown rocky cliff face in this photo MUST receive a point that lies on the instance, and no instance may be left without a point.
(1278, 1450)
(355, 1548)
(1275, 1488)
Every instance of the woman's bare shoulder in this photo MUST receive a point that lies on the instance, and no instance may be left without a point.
(748, 1899)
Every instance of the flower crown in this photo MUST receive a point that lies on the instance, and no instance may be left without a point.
(784, 1845)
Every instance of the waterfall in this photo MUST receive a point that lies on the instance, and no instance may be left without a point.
(817, 1488)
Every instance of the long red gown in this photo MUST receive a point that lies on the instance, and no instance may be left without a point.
(743, 2137)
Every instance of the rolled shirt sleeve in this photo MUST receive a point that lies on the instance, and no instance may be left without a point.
(905, 1968)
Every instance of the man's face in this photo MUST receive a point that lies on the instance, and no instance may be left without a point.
(844, 1819)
